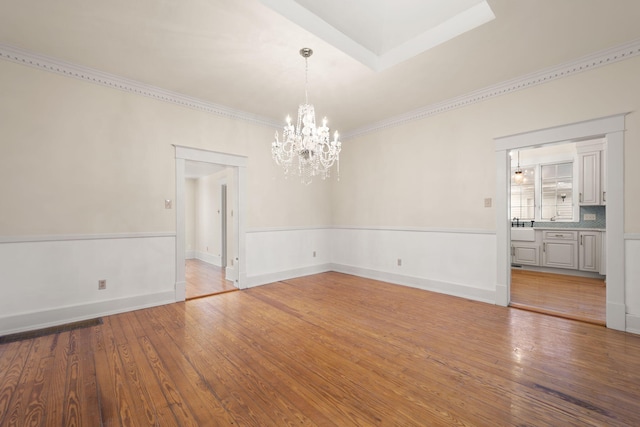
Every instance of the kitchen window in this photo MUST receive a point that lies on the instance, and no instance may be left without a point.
(545, 194)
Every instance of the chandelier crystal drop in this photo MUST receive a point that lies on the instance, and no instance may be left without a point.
(307, 150)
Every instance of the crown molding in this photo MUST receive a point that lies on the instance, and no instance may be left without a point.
(91, 75)
(589, 62)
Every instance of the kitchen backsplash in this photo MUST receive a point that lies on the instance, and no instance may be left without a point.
(600, 222)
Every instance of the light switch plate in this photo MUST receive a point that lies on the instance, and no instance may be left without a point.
(487, 202)
(589, 217)
(167, 204)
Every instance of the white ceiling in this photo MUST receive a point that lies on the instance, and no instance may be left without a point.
(244, 55)
(380, 33)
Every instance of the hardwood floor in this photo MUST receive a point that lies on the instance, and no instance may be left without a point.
(325, 350)
(578, 298)
(205, 279)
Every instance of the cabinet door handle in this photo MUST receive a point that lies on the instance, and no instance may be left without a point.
(604, 196)
(581, 237)
(544, 247)
(580, 197)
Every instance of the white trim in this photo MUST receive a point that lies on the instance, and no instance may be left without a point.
(589, 62)
(292, 228)
(632, 236)
(209, 258)
(113, 81)
(417, 229)
(265, 279)
(71, 237)
(612, 128)
(633, 323)
(453, 289)
(61, 315)
(374, 228)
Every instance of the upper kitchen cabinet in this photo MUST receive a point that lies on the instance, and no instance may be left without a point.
(591, 177)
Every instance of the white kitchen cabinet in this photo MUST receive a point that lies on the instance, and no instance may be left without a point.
(603, 253)
(560, 249)
(592, 182)
(589, 251)
(525, 253)
(589, 173)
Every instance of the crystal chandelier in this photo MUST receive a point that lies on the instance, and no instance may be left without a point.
(305, 150)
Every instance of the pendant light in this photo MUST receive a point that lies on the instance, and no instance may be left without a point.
(518, 177)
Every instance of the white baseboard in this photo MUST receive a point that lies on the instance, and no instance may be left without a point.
(452, 289)
(62, 315)
(633, 323)
(190, 254)
(284, 275)
(209, 258)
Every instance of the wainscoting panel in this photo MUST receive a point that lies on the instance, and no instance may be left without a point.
(632, 282)
(50, 282)
(279, 254)
(454, 262)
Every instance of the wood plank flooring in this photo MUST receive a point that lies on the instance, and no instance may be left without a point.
(205, 279)
(325, 350)
(574, 297)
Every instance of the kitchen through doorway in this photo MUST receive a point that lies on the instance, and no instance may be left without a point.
(558, 218)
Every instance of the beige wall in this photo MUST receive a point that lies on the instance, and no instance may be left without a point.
(79, 158)
(436, 172)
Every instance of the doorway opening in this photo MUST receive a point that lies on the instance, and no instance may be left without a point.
(201, 211)
(610, 129)
(558, 267)
(206, 227)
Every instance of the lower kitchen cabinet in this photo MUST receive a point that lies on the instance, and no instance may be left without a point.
(589, 242)
(527, 254)
(560, 249)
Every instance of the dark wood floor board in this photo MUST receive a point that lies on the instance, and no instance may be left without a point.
(440, 346)
(133, 408)
(325, 350)
(276, 384)
(11, 377)
(26, 397)
(109, 400)
(218, 373)
(321, 366)
(207, 410)
(259, 388)
(384, 363)
(450, 376)
(152, 401)
(239, 341)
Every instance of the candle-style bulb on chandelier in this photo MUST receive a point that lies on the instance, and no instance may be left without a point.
(306, 150)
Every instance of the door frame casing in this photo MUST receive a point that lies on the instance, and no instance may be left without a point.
(610, 128)
(239, 176)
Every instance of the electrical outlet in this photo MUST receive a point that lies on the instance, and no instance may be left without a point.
(167, 204)
(589, 217)
(487, 202)
(102, 284)
(399, 262)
